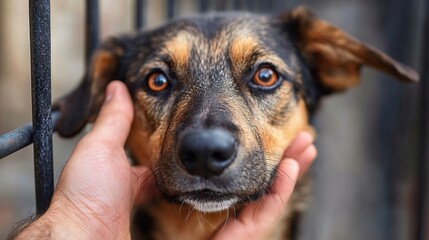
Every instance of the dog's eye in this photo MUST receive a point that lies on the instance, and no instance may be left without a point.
(265, 77)
(157, 82)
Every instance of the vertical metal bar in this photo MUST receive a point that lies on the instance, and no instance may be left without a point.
(393, 112)
(422, 231)
(40, 47)
(266, 7)
(221, 5)
(139, 21)
(237, 4)
(91, 28)
(249, 5)
(204, 5)
(170, 9)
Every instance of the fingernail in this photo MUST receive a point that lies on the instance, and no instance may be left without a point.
(307, 135)
(110, 93)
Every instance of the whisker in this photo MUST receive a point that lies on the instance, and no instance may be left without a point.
(199, 222)
(181, 205)
(189, 213)
(205, 220)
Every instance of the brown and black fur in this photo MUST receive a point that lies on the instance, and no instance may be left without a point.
(210, 62)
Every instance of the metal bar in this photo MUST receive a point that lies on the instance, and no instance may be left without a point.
(139, 21)
(91, 28)
(170, 9)
(422, 210)
(220, 5)
(19, 138)
(40, 47)
(399, 16)
(15, 140)
(389, 100)
(236, 5)
(204, 5)
(248, 5)
(267, 6)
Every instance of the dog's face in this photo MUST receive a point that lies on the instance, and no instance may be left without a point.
(216, 108)
(218, 98)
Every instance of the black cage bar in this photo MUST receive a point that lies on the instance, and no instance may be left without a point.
(40, 38)
(91, 28)
(139, 16)
(422, 210)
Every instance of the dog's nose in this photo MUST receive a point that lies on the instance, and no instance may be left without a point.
(207, 152)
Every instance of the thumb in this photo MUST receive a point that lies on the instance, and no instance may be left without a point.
(116, 115)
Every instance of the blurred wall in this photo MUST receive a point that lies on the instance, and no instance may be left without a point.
(364, 178)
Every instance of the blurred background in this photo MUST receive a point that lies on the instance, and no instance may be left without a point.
(365, 179)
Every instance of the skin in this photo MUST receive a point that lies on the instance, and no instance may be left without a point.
(97, 188)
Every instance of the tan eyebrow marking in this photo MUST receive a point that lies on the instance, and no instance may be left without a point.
(241, 50)
(179, 49)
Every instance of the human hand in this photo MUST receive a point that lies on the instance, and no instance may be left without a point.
(97, 187)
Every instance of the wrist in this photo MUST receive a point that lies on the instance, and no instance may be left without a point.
(53, 225)
(64, 220)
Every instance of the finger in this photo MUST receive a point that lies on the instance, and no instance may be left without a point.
(114, 120)
(306, 158)
(282, 188)
(298, 145)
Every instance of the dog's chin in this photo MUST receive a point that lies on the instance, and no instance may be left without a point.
(208, 206)
(210, 201)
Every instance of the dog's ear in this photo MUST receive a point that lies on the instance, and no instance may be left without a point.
(82, 104)
(334, 57)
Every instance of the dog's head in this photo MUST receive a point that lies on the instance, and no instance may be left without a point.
(219, 97)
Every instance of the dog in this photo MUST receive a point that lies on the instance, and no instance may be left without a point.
(217, 99)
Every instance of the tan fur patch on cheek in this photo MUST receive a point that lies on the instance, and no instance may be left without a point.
(144, 145)
(277, 138)
(240, 116)
(137, 143)
(140, 140)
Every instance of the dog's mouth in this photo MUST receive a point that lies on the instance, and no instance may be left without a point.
(212, 201)
(209, 201)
